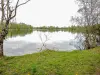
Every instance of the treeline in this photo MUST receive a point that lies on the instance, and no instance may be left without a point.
(49, 27)
(74, 29)
(16, 29)
(16, 32)
(19, 26)
(84, 29)
(21, 29)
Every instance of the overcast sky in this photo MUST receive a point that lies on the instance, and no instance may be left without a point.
(47, 12)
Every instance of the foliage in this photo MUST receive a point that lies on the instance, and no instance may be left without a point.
(21, 29)
(74, 29)
(81, 29)
(19, 26)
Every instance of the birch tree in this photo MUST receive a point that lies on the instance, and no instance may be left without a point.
(89, 11)
(8, 11)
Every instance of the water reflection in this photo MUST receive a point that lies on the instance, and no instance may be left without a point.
(30, 43)
(18, 32)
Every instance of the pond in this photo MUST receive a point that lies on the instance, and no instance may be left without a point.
(38, 40)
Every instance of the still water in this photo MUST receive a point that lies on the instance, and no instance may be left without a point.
(33, 42)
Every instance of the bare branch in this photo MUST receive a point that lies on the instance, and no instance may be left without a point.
(17, 5)
(23, 3)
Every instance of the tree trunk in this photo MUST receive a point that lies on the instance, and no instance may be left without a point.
(1, 47)
(3, 34)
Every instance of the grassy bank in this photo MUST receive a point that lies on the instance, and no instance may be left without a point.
(48, 62)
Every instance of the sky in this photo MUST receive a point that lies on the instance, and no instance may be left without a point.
(47, 12)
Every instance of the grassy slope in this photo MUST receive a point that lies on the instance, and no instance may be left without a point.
(85, 62)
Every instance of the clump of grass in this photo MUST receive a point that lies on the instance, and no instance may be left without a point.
(33, 69)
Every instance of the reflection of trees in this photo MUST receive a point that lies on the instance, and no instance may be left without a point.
(21, 29)
(82, 37)
(21, 32)
(85, 42)
(53, 30)
(48, 30)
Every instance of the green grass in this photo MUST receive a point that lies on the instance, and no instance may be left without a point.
(48, 62)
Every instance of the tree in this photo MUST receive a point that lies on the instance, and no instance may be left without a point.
(89, 11)
(8, 12)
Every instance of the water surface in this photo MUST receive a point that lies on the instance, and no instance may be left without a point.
(33, 42)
